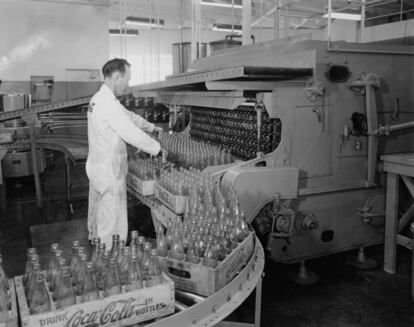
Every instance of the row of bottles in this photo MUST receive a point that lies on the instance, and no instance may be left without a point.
(144, 167)
(5, 303)
(213, 224)
(236, 130)
(185, 152)
(66, 282)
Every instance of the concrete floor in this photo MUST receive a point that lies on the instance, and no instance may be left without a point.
(342, 297)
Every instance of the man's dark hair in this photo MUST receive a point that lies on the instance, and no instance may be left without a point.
(115, 65)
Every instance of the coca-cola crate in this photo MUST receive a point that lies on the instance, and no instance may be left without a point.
(12, 320)
(203, 280)
(142, 187)
(123, 309)
(176, 203)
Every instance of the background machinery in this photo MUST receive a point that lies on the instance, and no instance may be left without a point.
(306, 120)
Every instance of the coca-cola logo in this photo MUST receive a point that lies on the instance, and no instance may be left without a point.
(109, 315)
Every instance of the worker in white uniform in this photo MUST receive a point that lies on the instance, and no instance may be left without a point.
(110, 127)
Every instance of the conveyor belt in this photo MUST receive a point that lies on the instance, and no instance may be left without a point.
(44, 108)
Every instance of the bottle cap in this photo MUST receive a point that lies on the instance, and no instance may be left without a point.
(89, 265)
(106, 255)
(65, 270)
(53, 247)
(58, 253)
(115, 237)
(154, 252)
(147, 246)
(62, 261)
(96, 240)
(83, 256)
(122, 243)
(81, 249)
(75, 244)
(127, 249)
(134, 234)
(31, 251)
(141, 240)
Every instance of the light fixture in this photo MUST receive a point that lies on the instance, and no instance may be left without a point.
(226, 4)
(227, 28)
(143, 21)
(128, 32)
(343, 16)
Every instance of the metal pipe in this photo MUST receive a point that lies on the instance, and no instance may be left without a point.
(329, 22)
(362, 29)
(330, 49)
(190, 296)
(180, 306)
(387, 129)
(246, 22)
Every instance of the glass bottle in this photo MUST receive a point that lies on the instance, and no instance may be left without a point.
(80, 274)
(101, 270)
(154, 271)
(193, 252)
(40, 301)
(219, 245)
(58, 279)
(111, 279)
(134, 277)
(169, 237)
(74, 261)
(52, 262)
(4, 305)
(134, 242)
(65, 294)
(140, 248)
(89, 289)
(210, 256)
(4, 281)
(95, 243)
(53, 273)
(186, 237)
(145, 260)
(30, 252)
(124, 265)
(161, 244)
(177, 248)
(120, 252)
(32, 280)
(115, 245)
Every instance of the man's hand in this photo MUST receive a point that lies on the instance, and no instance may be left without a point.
(158, 130)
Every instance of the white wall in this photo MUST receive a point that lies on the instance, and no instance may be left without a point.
(42, 38)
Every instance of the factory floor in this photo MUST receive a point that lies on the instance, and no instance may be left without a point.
(342, 297)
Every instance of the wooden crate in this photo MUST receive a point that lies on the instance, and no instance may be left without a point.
(203, 280)
(176, 203)
(124, 309)
(142, 187)
(12, 321)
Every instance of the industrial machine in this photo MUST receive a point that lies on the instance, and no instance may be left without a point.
(307, 121)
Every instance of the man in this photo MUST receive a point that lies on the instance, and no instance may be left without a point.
(110, 127)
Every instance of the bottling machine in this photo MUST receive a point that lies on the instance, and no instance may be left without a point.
(307, 121)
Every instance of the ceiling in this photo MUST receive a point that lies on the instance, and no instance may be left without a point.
(177, 13)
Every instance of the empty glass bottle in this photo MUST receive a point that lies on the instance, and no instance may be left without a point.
(40, 301)
(193, 252)
(120, 252)
(145, 260)
(123, 267)
(161, 244)
(115, 245)
(111, 279)
(134, 242)
(65, 294)
(177, 248)
(29, 252)
(58, 279)
(140, 248)
(169, 237)
(79, 278)
(154, 276)
(134, 276)
(55, 268)
(101, 269)
(32, 280)
(52, 262)
(210, 256)
(74, 261)
(95, 243)
(89, 288)
(219, 246)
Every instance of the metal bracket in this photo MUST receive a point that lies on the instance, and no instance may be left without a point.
(314, 90)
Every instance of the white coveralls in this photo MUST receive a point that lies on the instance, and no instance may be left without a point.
(110, 125)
